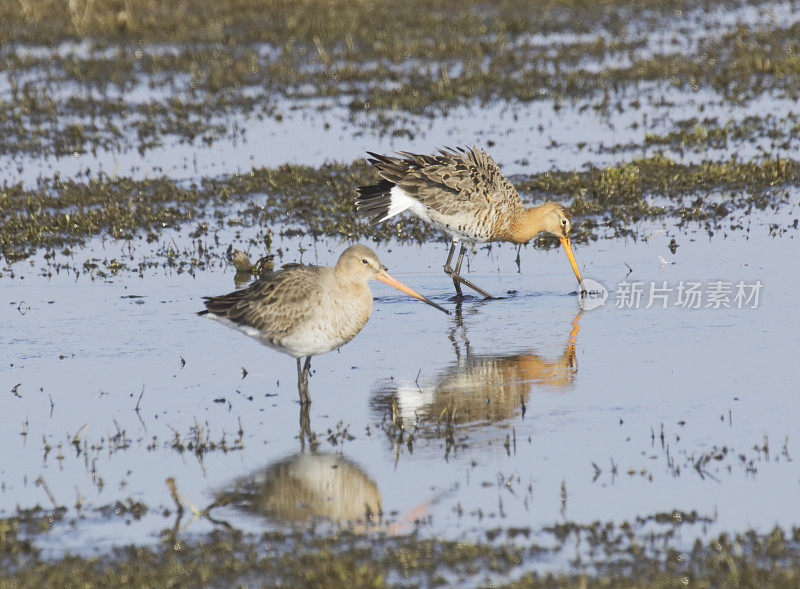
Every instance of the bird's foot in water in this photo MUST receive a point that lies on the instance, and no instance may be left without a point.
(459, 280)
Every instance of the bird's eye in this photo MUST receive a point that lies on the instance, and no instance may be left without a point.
(564, 222)
(365, 261)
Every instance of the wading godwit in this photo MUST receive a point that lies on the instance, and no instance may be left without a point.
(464, 193)
(307, 310)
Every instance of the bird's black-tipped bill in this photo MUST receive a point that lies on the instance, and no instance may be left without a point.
(383, 276)
(565, 242)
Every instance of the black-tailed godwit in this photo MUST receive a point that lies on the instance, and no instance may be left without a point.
(304, 311)
(464, 193)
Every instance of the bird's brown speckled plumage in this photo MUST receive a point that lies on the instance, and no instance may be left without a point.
(307, 310)
(303, 310)
(463, 192)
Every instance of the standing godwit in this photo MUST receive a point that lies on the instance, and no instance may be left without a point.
(307, 310)
(307, 486)
(464, 193)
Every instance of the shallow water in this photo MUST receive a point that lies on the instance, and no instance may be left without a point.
(712, 378)
(527, 137)
(522, 412)
(524, 138)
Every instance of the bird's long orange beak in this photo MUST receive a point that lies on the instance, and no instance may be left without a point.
(383, 276)
(568, 249)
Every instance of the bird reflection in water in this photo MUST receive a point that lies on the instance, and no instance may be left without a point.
(304, 487)
(481, 388)
(307, 486)
(311, 486)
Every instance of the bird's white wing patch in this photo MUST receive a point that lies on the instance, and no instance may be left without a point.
(245, 329)
(252, 332)
(402, 201)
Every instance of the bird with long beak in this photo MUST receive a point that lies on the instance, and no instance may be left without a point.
(463, 193)
(304, 311)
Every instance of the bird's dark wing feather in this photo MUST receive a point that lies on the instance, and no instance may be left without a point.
(452, 181)
(273, 304)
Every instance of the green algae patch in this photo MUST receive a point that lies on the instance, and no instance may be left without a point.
(698, 135)
(657, 187)
(318, 202)
(209, 61)
(374, 25)
(622, 556)
(228, 558)
(58, 213)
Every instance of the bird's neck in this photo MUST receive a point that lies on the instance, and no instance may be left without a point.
(527, 225)
(349, 282)
(355, 301)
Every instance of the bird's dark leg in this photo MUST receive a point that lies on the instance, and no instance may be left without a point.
(458, 325)
(461, 253)
(302, 381)
(456, 283)
(449, 270)
(305, 430)
(452, 333)
(456, 276)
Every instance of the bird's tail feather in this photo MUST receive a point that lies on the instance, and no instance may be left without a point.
(376, 200)
(223, 305)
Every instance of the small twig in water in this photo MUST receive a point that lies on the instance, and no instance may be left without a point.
(40, 483)
(139, 400)
(76, 438)
(173, 490)
(180, 500)
(597, 472)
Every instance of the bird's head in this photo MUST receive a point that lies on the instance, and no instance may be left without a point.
(553, 218)
(358, 263)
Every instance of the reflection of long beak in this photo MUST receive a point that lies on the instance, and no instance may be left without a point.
(573, 335)
(383, 276)
(568, 249)
(409, 517)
